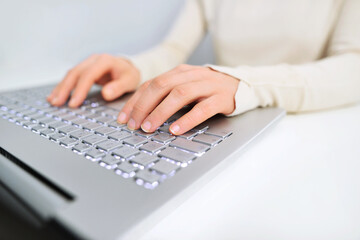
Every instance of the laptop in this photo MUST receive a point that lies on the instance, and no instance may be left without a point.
(89, 177)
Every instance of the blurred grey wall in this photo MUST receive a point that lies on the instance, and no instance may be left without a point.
(41, 39)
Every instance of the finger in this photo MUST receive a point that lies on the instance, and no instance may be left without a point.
(198, 114)
(155, 93)
(86, 80)
(179, 97)
(118, 87)
(126, 110)
(62, 91)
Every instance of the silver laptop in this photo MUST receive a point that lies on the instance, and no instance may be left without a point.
(81, 171)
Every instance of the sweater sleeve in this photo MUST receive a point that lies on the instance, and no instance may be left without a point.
(186, 34)
(329, 82)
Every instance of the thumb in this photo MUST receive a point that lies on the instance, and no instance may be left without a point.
(116, 88)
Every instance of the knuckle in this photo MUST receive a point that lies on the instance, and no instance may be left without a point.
(204, 109)
(138, 108)
(145, 85)
(182, 67)
(159, 83)
(104, 57)
(181, 92)
(70, 72)
(200, 72)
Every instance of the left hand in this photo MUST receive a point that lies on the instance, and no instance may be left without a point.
(158, 99)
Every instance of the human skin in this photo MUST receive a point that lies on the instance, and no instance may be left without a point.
(155, 100)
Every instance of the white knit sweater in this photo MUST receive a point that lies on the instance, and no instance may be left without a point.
(301, 55)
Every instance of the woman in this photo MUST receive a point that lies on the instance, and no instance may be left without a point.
(301, 55)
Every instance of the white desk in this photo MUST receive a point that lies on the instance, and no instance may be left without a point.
(299, 181)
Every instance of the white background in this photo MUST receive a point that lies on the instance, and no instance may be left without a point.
(40, 40)
(299, 181)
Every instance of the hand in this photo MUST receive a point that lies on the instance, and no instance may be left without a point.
(117, 75)
(158, 99)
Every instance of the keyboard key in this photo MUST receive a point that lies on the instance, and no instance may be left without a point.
(125, 128)
(93, 117)
(126, 170)
(29, 114)
(83, 113)
(57, 125)
(201, 127)
(135, 141)
(125, 152)
(147, 179)
(79, 121)
(93, 139)
(145, 134)
(60, 115)
(109, 145)
(220, 132)
(163, 138)
(104, 130)
(188, 135)
(91, 126)
(46, 121)
(68, 117)
(144, 160)
(29, 124)
(207, 139)
(152, 147)
(115, 124)
(98, 109)
(37, 117)
(165, 129)
(177, 155)
(111, 113)
(104, 120)
(81, 148)
(94, 154)
(189, 145)
(109, 162)
(56, 137)
(68, 129)
(119, 135)
(48, 110)
(177, 115)
(57, 113)
(79, 134)
(68, 142)
(165, 168)
(47, 132)
(37, 128)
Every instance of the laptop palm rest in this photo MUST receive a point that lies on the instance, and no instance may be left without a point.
(27, 186)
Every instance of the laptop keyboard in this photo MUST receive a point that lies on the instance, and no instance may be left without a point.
(92, 131)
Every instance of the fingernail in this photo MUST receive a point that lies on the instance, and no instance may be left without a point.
(131, 124)
(175, 128)
(109, 92)
(72, 102)
(54, 100)
(49, 97)
(146, 126)
(122, 117)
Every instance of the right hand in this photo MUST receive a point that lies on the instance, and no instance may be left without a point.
(115, 74)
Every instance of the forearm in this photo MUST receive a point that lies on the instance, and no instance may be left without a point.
(327, 83)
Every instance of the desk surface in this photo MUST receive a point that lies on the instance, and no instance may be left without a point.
(299, 181)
